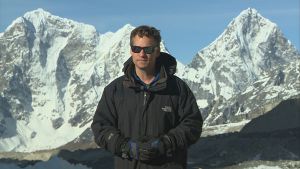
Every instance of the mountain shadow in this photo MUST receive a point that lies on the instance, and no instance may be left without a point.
(233, 149)
(92, 158)
(286, 115)
(274, 136)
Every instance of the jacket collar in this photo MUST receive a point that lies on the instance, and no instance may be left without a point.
(166, 65)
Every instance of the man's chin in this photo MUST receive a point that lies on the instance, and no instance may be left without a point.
(141, 65)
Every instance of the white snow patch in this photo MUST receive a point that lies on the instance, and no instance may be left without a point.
(223, 128)
(264, 167)
(202, 103)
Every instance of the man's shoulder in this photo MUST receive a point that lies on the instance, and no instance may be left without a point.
(180, 84)
(178, 80)
(118, 82)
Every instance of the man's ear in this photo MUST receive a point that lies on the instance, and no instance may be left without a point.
(158, 49)
(158, 52)
(130, 52)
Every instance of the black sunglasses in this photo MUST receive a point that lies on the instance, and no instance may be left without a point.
(147, 50)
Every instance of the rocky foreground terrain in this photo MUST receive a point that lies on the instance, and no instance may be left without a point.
(235, 151)
(258, 144)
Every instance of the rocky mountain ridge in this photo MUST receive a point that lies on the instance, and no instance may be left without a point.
(247, 70)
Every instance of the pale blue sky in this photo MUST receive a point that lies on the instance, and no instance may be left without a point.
(186, 26)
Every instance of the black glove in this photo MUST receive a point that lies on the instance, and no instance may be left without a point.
(129, 149)
(133, 149)
(155, 148)
(151, 150)
(169, 144)
(145, 149)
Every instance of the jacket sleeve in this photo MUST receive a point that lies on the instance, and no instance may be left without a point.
(104, 123)
(189, 129)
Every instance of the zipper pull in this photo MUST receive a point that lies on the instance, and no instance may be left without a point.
(145, 97)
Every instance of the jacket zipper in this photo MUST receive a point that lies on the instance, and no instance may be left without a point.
(145, 102)
(145, 98)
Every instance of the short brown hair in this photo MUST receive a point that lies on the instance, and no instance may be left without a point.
(145, 30)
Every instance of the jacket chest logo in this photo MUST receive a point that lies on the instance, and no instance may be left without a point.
(167, 109)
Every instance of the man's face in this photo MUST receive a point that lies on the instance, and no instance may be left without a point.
(144, 62)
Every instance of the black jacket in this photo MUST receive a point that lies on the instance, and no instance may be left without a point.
(128, 109)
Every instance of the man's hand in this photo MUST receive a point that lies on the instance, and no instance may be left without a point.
(151, 150)
(129, 149)
(155, 148)
(146, 149)
(137, 149)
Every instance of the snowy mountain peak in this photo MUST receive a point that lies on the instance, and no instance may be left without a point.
(127, 27)
(250, 12)
(251, 19)
(35, 16)
(54, 72)
(38, 13)
(250, 36)
(39, 21)
(251, 48)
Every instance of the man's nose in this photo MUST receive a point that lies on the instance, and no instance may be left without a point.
(142, 52)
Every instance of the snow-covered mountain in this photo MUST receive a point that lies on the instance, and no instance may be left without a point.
(49, 72)
(245, 72)
(54, 70)
(53, 73)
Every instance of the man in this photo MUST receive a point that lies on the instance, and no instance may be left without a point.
(148, 117)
